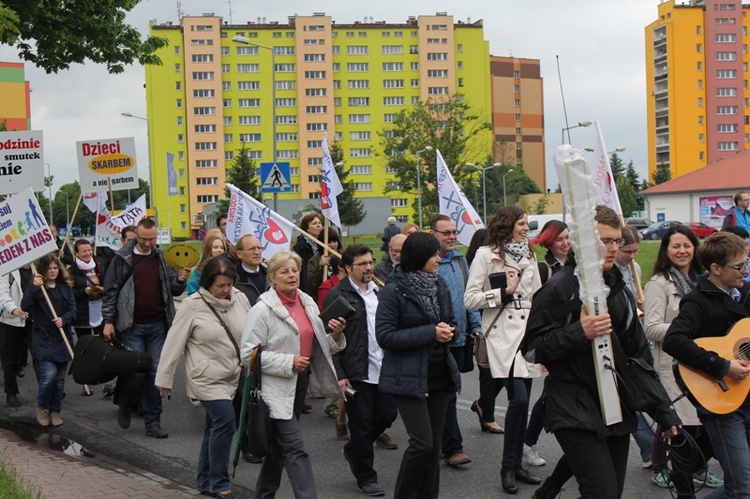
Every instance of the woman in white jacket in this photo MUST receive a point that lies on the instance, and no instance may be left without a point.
(211, 365)
(296, 353)
(505, 313)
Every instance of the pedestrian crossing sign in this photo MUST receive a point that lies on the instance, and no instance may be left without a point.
(275, 177)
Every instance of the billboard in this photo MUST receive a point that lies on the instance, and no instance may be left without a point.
(714, 209)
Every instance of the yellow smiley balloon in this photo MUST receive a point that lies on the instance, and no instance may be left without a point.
(181, 255)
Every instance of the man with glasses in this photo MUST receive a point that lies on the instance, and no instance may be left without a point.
(358, 368)
(558, 336)
(138, 308)
(718, 301)
(738, 215)
(384, 268)
(252, 275)
(454, 269)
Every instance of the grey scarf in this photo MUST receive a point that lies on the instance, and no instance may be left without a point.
(424, 285)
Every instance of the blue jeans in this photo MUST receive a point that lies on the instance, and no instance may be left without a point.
(644, 435)
(213, 461)
(51, 385)
(730, 436)
(147, 338)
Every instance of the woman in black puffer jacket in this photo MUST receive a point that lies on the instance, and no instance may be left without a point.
(414, 324)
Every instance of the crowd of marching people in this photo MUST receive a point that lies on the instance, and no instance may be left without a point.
(403, 332)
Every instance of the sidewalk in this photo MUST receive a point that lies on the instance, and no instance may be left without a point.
(56, 475)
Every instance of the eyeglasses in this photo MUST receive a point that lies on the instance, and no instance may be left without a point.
(364, 264)
(738, 268)
(447, 233)
(252, 248)
(608, 240)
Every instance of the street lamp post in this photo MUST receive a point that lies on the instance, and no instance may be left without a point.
(49, 175)
(484, 185)
(505, 199)
(246, 41)
(150, 167)
(419, 185)
(568, 129)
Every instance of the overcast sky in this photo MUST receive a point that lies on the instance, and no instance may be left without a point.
(600, 45)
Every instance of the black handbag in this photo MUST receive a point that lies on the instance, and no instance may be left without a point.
(259, 425)
(468, 364)
(97, 360)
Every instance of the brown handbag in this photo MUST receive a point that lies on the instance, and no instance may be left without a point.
(480, 344)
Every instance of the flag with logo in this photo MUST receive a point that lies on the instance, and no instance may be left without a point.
(606, 190)
(453, 202)
(330, 187)
(171, 175)
(247, 216)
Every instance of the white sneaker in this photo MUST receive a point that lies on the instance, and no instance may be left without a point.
(531, 456)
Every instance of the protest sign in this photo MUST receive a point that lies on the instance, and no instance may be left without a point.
(21, 161)
(24, 234)
(108, 227)
(101, 162)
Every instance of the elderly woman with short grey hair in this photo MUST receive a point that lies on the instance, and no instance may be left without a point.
(296, 354)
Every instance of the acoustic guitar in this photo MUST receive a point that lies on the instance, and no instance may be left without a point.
(717, 396)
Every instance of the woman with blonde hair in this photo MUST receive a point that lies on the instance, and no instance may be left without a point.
(296, 353)
(214, 244)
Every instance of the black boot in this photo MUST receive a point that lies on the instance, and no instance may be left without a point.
(546, 491)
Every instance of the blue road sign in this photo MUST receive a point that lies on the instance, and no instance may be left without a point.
(275, 177)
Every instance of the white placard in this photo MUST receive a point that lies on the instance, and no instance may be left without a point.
(107, 160)
(24, 233)
(21, 161)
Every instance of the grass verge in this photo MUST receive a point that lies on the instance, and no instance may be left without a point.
(11, 486)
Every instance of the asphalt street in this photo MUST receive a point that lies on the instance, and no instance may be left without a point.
(92, 422)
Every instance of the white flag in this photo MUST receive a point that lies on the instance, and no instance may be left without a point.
(453, 202)
(108, 228)
(606, 191)
(330, 187)
(92, 200)
(247, 216)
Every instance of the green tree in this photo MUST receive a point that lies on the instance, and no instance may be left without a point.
(63, 206)
(55, 34)
(662, 174)
(635, 181)
(617, 166)
(627, 195)
(4, 126)
(540, 207)
(242, 175)
(351, 209)
(447, 125)
(517, 183)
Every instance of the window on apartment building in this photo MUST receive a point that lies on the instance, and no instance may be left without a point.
(314, 161)
(700, 101)
(177, 68)
(182, 191)
(414, 66)
(393, 101)
(357, 67)
(183, 208)
(727, 146)
(178, 85)
(700, 84)
(725, 38)
(700, 120)
(363, 186)
(357, 84)
(700, 138)
(393, 49)
(227, 121)
(286, 120)
(179, 121)
(361, 170)
(181, 157)
(517, 102)
(726, 128)
(179, 103)
(699, 47)
(359, 101)
(697, 29)
(518, 117)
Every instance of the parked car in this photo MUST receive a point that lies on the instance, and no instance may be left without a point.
(656, 230)
(638, 223)
(701, 230)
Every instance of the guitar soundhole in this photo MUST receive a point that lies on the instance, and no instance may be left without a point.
(742, 351)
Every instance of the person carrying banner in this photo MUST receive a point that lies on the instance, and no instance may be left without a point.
(139, 308)
(47, 346)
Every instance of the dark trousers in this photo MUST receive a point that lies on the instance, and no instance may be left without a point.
(288, 452)
(535, 426)
(515, 422)
(599, 465)
(419, 474)
(15, 354)
(489, 388)
(370, 414)
(684, 458)
(453, 442)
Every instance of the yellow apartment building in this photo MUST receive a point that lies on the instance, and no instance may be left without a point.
(287, 84)
(696, 84)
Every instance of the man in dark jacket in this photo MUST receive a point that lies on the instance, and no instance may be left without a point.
(559, 335)
(709, 310)
(384, 268)
(358, 367)
(138, 306)
(251, 274)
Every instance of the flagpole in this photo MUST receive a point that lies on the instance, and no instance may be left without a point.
(325, 251)
(70, 222)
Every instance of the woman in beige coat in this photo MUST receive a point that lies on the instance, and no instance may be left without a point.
(508, 251)
(675, 273)
(296, 353)
(211, 365)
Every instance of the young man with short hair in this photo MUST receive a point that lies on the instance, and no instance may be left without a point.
(718, 301)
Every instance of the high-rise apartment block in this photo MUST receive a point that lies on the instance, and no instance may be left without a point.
(696, 80)
(518, 115)
(15, 97)
(286, 86)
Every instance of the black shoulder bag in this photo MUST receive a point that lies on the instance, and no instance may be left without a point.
(259, 425)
